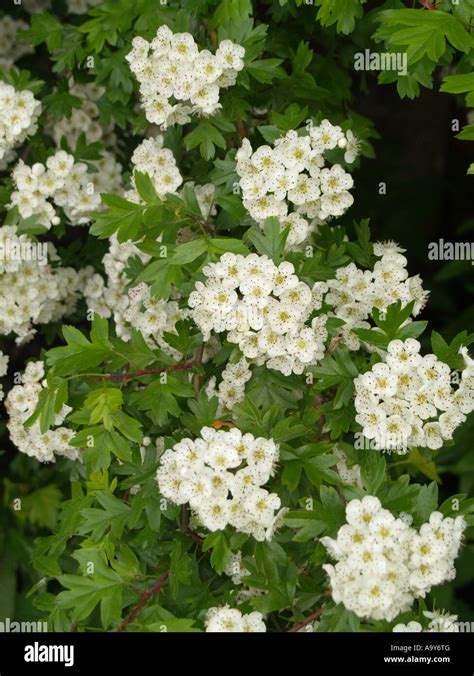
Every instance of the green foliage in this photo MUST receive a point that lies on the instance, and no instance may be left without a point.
(84, 592)
(271, 242)
(61, 104)
(92, 538)
(343, 13)
(427, 37)
(423, 34)
(337, 369)
(394, 326)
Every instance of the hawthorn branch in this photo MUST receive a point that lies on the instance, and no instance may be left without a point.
(239, 125)
(205, 225)
(185, 528)
(197, 377)
(184, 518)
(146, 596)
(148, 372)
(318, 401)
(311, 618)
(427, 5)
(25, 154)
(194, 536)
(333, 344)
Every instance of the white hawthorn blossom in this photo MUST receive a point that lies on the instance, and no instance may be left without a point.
(355, 293)
(84, 119)
(20, 112)
(409, 399)
(438, 621)
(264, 309)
(159, 163)
(384, 564)
(11, 48)
(226, 619)
(4, 359)
(290, 180)
(20, 403)
(221, 475)
(231, 389)
(68, 184)
(177, 80)
(33, 289)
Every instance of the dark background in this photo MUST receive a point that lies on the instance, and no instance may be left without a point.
(429, 195)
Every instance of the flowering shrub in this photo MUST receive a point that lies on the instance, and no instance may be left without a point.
(225, 409)
(20, 111)
(176, 68)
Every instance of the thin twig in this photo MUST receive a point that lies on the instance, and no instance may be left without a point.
(194, 536)
(146, 596)
(184, 526)
(333, 344)
(239, 125)
(342, 499)
(197, 377)
(427, 5)
(184, 518)
(26, 152)
(206, 226)
(311, 618)
(318, 401)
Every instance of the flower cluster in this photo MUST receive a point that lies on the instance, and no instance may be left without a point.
(136, 309)
(205, 197)
(11, 48)
(153, 317)
(20, 112)
(231, 389)
(292, 173)
(31, 290)
(4, 359)
(81, 6)
(159, 163)
(200, 473)
(235, 569)
(20, 403)
(350, 475)
(84, 119)
(109, 298)
(264, 309)
(409, 400)
(108, 177)
(36, 6)
(171, 69)
(63, 181)
(226, 619)
(354, 293)
(383, 563)
(439, 621)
